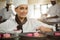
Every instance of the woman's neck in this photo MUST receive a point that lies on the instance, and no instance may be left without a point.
(21, 18)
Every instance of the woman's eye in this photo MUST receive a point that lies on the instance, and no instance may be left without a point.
(21, 8)
(26, 8)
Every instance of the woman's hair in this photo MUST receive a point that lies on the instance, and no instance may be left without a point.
(16, 7)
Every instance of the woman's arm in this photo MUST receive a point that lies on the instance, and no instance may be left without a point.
(44, 29)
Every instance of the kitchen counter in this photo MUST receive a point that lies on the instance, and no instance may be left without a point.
(50, 36)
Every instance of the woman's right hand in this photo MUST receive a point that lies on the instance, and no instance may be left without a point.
(44, 29)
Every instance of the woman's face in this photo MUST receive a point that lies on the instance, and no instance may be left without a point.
(22, 10)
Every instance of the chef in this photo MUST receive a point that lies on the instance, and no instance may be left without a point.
(54, 11)
(7, 11)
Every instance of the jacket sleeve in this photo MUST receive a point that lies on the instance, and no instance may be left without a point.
(39, 23)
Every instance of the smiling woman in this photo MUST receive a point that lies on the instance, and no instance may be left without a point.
(22, 11)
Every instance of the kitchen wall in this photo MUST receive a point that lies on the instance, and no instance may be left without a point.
(39, 1)
(2, 4)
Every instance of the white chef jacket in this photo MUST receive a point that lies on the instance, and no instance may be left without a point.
(29, 26)
(7, 14)
(54, 10)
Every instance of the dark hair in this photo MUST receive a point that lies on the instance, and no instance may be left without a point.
(16, 7)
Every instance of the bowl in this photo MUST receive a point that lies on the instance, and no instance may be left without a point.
(32, 36)
(12, 36)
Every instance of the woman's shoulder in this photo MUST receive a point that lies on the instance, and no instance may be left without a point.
(10, 21)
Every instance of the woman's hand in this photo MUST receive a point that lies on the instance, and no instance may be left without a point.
(44, 29)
